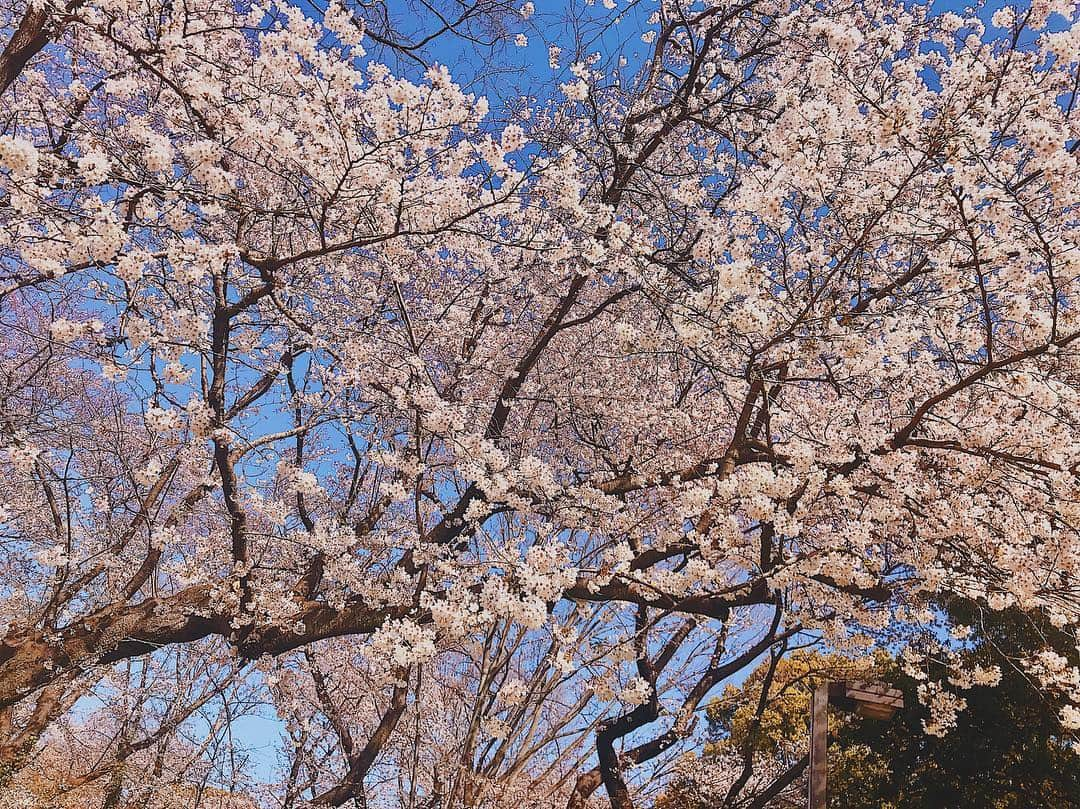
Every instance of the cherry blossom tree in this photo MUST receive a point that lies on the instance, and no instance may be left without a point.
(482, 440)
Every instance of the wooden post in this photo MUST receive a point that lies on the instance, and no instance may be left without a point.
(819, 746)
(873, 700)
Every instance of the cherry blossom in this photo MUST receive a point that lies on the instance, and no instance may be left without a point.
(389, 399)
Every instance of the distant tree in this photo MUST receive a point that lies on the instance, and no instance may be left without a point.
(761, 727)
(1006, 750)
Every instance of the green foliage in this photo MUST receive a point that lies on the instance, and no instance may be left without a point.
(1006, 751)
(784, 724)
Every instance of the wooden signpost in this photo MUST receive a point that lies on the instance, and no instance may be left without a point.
(871, 700)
